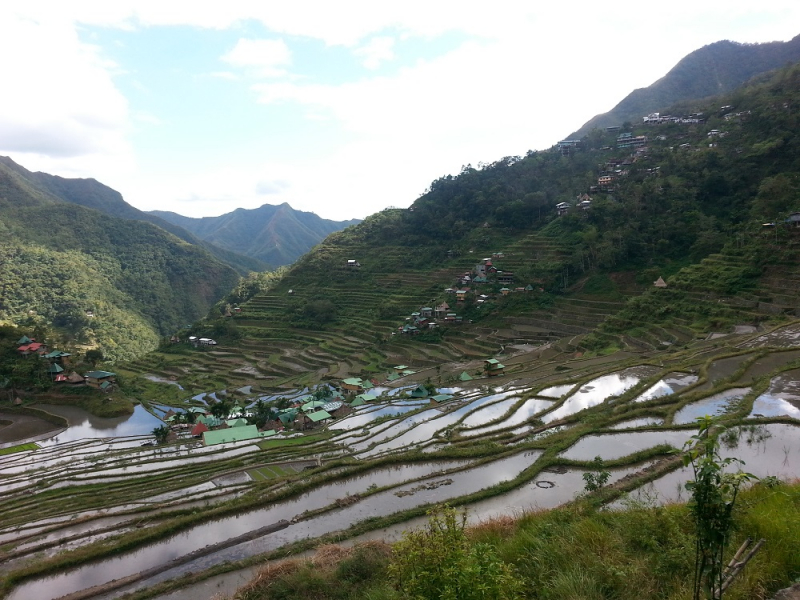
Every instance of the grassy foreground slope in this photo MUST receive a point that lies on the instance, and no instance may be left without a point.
(573, 552)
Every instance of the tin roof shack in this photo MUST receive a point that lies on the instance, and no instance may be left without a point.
(311, 420)
(493, 367)
(100, 379)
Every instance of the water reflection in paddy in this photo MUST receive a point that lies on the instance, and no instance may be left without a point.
(365, 417)
(767, 450)
(598, 390)
(777, 400)
(529, 408)
(667, 386)
(713, 405)
(610, 446)
(641, 422)
(546, 490)
(424, 431)
(384, 503)
(85, 425)
(556, 391)
(202, 535)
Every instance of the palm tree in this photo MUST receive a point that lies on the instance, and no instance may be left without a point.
(161, 433)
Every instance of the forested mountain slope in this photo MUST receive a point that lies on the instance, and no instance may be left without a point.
(711, 70)
(93, 194)
(277, 235)
(102, 280)
(688, 204)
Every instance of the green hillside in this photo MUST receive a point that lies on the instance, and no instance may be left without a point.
(715, 69)
(277, 235)
(689, 207)
(100, 280)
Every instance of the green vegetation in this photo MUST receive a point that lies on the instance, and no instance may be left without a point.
(714, 492)
(570, 552)
(19, 448)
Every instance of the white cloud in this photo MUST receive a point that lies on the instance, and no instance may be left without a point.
(59, 107)
(266, 58)
(376, 51)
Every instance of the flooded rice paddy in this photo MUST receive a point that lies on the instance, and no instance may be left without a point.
(598, 390)
(96, 452)
(712, 406)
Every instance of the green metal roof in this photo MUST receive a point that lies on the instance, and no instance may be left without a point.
(401, 367)
(442, 397)
(268, 433)
(353, 381)
(367, 385)
(367, 397)
(419, 392)
(392, 377)
(54, 368)
(318, 416)
(308, 406)
(357, 402)
(232, 434)
(465, 376)
(99, 374)
(236, 422)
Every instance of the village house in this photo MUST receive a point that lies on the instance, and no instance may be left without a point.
(461, 295)
(100, 379)
(353, 384)
(353, 264)
(562, 208)
(505, 277)
(493, 367)
(440, 312)
(793, 219)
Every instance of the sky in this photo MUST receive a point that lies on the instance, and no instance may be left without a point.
(339, 108)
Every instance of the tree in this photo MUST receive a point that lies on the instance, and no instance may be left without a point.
(161, 434)
(94, 356)
(714, 493)
(596, 479)
(440, 562)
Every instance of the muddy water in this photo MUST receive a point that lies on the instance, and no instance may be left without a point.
(712, 406)
(85, 425)
(672, 383)
(529, 408)
(396, 429)
(769, 450)
(381, 504)
(610, 446)
(642, 422)
(384, 503)
(493, 411)
(546, 490)
(784, 337)
(216, 531)
(598, 390)
(766, 365)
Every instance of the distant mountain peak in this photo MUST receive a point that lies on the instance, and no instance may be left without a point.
(717, 68)
(275, 234)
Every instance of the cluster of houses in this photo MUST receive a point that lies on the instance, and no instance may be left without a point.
(658, 119)
(583, 202)
(59, 361)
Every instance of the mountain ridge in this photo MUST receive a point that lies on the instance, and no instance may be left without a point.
(275, 234)
(714, 69)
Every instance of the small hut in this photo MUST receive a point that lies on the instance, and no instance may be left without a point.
(660, 283)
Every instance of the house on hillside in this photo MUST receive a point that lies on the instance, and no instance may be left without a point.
(353, 384)
(419, 392)
(660, 283)
(793, 219)
(100, 379)
(440, 312)
(505, 277)
(562, 208)
(353, 264)
(493, 367)
(461, 295)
